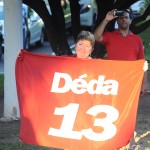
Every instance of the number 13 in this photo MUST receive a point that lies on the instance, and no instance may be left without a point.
(70, 114)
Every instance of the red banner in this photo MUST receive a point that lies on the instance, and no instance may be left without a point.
(77, 104)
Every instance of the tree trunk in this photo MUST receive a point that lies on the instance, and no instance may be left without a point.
(75, 17)
(59, 25)
(54, 27)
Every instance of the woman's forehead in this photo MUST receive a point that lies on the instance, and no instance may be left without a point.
(84, 41)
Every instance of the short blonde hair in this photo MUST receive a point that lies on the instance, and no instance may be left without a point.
(86, 35)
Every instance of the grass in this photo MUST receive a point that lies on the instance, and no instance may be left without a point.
(9, 145)
(145, 35)
(21, 146)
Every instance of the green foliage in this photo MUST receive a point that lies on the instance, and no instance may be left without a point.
(22, 146)
(146, 41)
(6, 134)
(145, 35)
(144, 4)
(1, 85)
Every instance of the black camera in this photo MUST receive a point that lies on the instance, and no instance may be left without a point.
(118, 13)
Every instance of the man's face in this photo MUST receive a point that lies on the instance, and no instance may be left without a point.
(124, 21)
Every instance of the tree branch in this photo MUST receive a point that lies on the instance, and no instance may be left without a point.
(141, 20)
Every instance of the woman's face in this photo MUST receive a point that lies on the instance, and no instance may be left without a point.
(83, 48)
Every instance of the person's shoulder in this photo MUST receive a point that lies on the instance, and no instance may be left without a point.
(137, 37)
(111, 32)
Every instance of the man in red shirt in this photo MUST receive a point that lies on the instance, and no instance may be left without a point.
(120, 44)
(119, 47)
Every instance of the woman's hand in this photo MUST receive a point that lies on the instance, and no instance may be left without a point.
(145, 67)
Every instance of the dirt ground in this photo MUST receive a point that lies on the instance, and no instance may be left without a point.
(142, 126)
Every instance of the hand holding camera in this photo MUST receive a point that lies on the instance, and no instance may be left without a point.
(118, 13)
(113, 14)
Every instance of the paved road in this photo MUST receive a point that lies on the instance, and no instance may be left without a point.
(45, 49)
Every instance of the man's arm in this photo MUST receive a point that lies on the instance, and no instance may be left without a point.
(100, 29)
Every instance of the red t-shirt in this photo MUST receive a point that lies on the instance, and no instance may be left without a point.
(123, 48)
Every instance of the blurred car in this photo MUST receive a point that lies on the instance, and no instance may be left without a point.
(136, 14)
(35, 34)
(88, 13)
